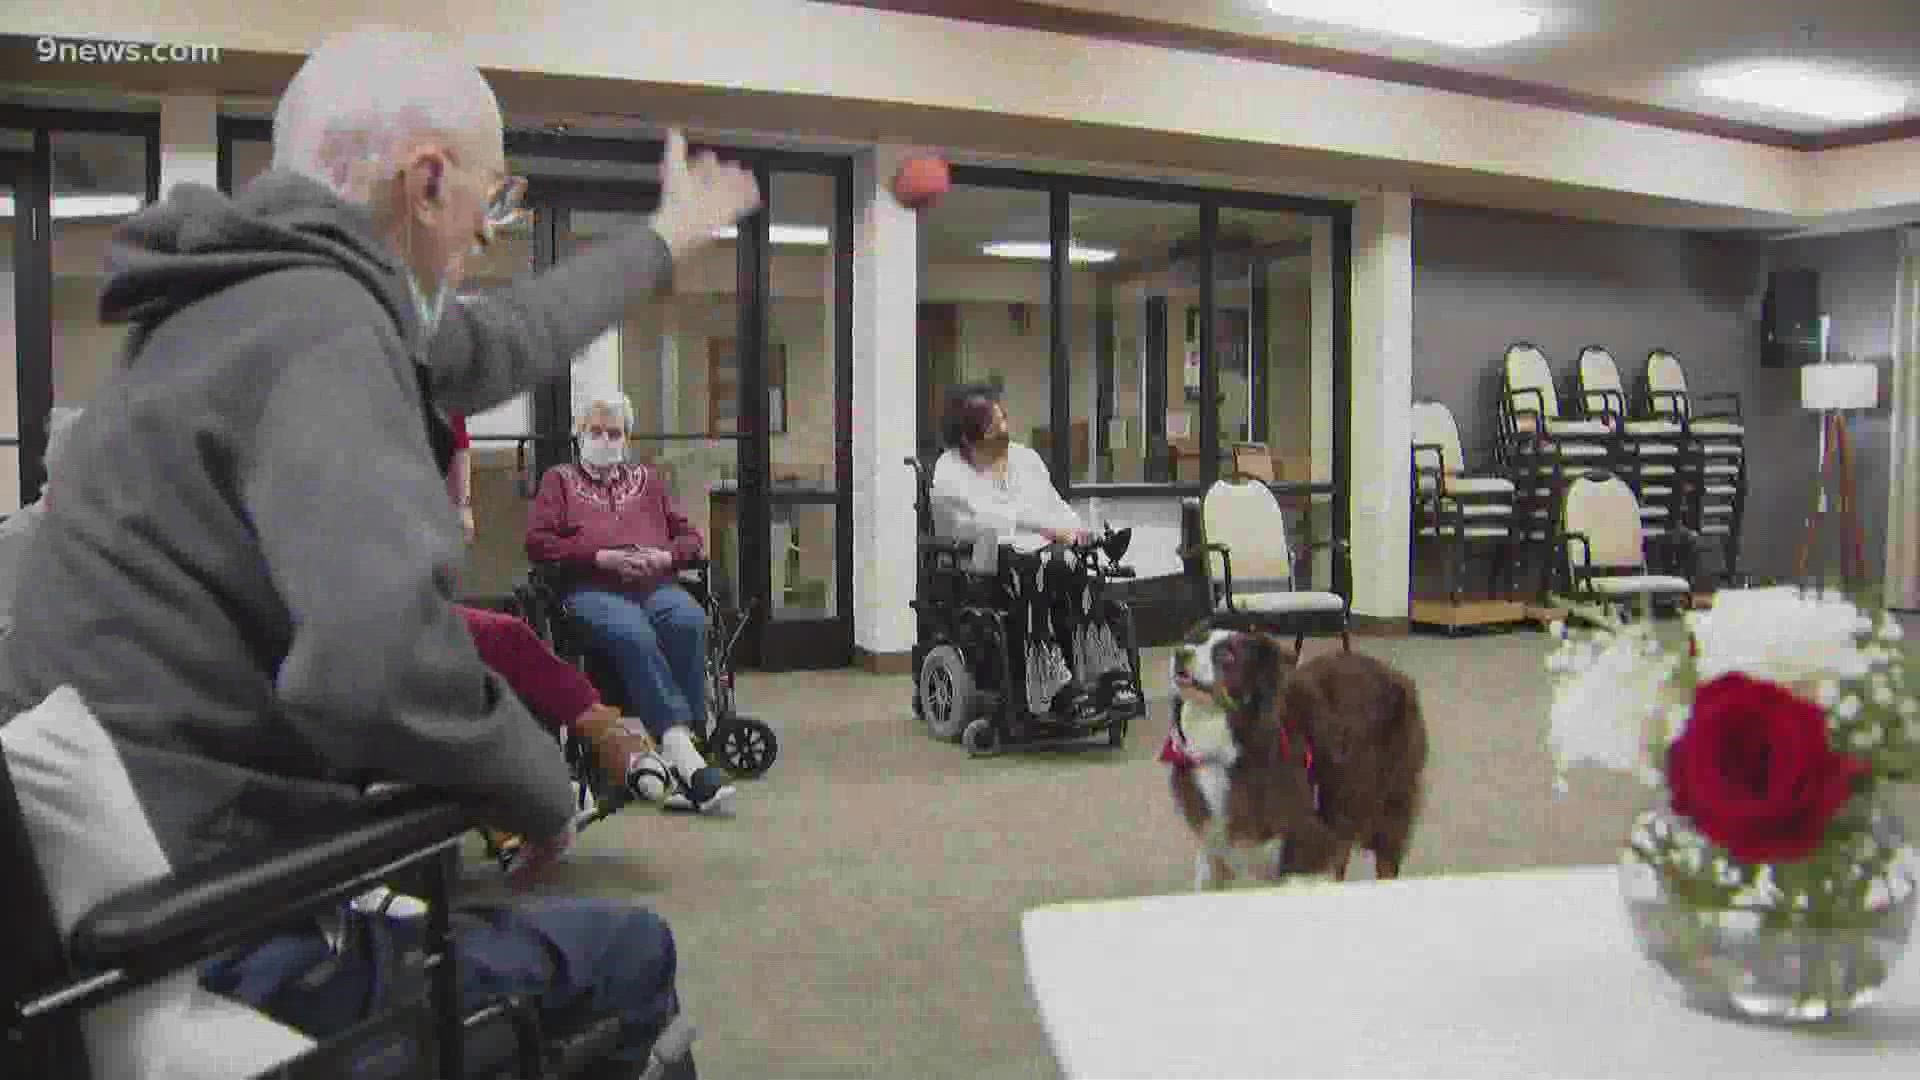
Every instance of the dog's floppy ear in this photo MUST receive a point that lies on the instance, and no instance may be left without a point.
(1267, 662)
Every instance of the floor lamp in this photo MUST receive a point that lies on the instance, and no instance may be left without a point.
(1831, 390)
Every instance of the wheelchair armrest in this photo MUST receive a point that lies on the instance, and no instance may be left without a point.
(224, 900)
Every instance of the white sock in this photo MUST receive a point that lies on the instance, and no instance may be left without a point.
(677, 747)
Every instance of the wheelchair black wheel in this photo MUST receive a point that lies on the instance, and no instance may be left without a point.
(745, 746)
(980, 737)
(946, 692)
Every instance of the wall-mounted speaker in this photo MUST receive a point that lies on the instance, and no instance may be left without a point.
(1790, 319)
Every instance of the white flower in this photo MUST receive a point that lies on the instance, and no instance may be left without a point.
(1891, 630)
(1558, 628)
(1827, 694)
(1780, 634)
(1882, 693)
(1848, 708)
(1601, 714)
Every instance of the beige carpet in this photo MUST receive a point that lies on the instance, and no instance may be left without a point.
(859, 917)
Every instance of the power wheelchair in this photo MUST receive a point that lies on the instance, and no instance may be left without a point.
(966, 672)
(153, 931)
(744, 745)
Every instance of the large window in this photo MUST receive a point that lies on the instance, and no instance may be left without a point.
(985, 310)
(78, 174)
(99, 180)
(1132, 408)
(1147, 336)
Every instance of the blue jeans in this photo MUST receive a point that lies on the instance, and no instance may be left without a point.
(574, 957)
(658, 645)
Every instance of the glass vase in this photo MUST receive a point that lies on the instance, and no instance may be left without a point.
(1780, 943)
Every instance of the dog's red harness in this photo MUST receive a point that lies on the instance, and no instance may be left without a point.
(1174, 751)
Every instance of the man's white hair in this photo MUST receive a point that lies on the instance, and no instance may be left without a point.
(615, 405)
(366, 98)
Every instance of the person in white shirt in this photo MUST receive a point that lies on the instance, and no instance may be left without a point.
(999, 495)
(986, 486)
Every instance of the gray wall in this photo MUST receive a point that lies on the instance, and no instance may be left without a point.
(1484, 279)
(1859, 273)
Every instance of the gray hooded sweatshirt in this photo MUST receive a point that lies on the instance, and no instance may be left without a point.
(249, 571)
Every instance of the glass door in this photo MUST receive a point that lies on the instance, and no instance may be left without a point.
(740, 383)
(804, 445)
(676, 359)
(17, 294)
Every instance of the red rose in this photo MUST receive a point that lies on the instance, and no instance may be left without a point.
(1754, 770)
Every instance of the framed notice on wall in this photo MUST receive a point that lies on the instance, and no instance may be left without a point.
(1232, 345)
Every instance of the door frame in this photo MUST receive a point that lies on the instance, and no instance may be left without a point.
(32, 257)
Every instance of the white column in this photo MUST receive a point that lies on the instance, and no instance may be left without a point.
(1382, 416)
(886, 289)
(189, 140)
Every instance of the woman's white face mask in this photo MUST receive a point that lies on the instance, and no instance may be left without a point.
(601, 451)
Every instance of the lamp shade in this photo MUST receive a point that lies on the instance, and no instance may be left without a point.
(1839, 386)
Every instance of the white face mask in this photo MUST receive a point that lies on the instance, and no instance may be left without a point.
(602, 452)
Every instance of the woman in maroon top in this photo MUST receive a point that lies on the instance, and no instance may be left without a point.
(553, 690)
(615, 526)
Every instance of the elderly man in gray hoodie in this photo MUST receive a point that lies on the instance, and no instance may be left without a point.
(247, 574)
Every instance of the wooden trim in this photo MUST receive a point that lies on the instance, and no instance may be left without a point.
(1381, 626)
(890, 663)
(1106, 26)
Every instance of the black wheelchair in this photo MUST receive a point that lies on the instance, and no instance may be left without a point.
(967, 674)
(743, 745)
(153, 931)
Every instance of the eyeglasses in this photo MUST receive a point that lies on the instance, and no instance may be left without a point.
(504, 206)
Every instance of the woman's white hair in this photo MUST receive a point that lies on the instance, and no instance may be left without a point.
(366, 98)
(616, 405)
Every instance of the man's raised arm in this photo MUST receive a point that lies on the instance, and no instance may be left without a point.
(493, 347)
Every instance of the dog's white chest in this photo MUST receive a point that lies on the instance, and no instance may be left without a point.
(1213, 783)
(1210, 743)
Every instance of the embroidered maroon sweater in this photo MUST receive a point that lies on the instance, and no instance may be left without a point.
(580, 512)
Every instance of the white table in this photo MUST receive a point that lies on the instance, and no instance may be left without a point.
(1492, 976)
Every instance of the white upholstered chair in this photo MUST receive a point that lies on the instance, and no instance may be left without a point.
(1252, 570)
(1604, 544)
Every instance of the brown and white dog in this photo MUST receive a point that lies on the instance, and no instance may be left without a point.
(1284, 768)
